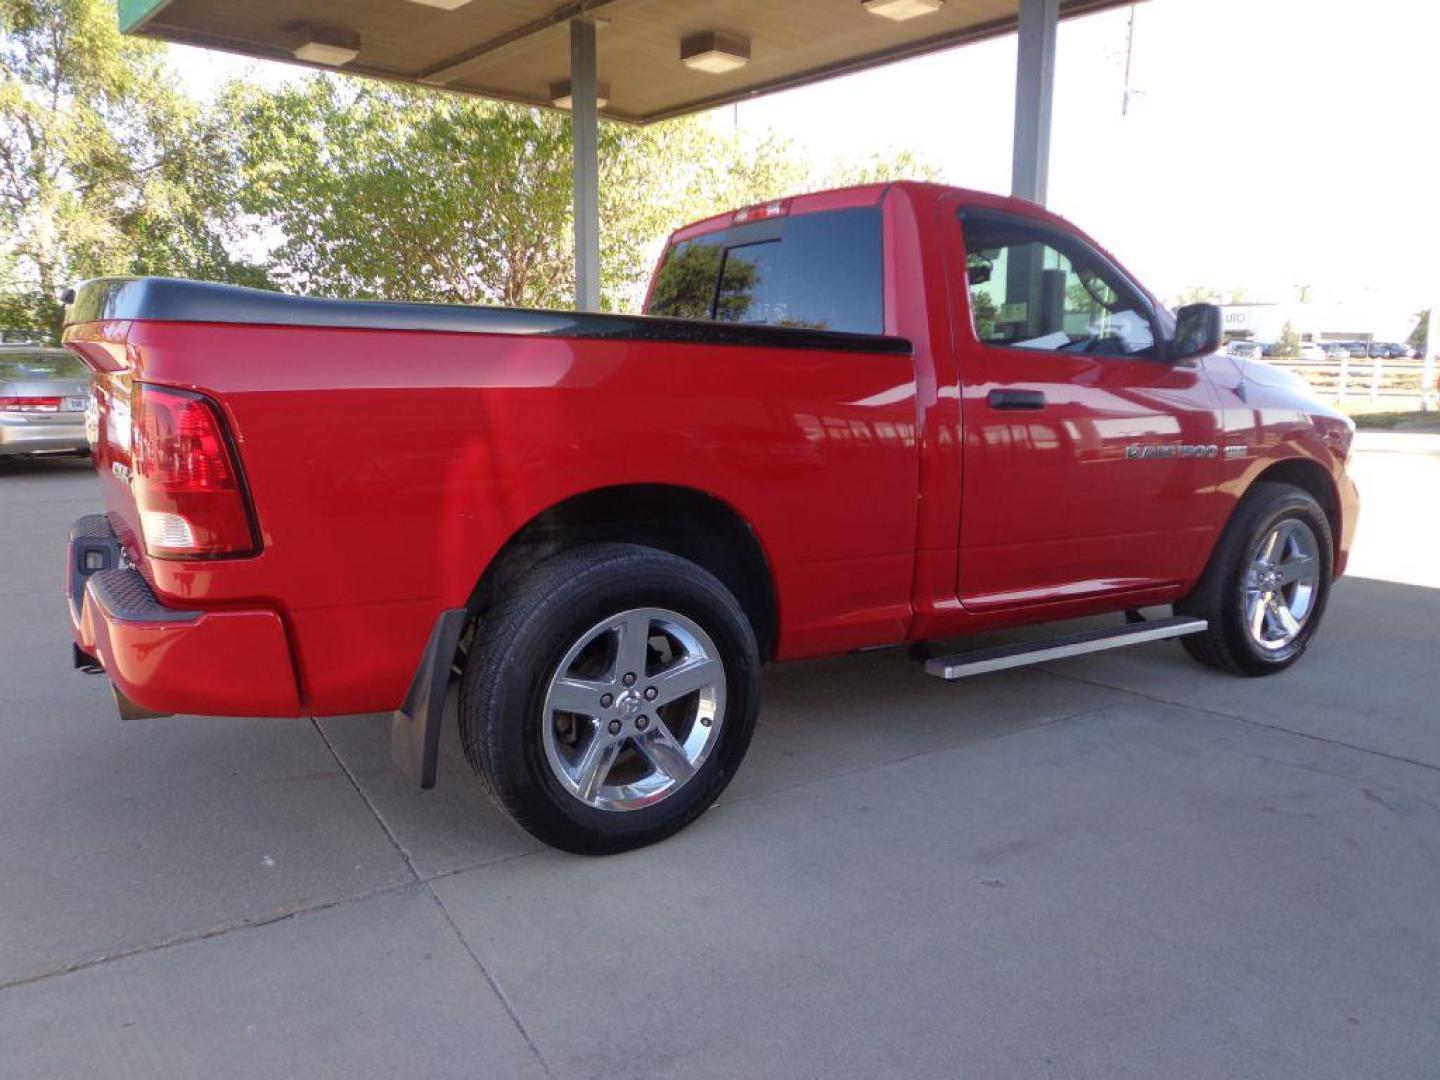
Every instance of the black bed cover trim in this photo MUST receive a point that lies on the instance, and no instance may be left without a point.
(179, 300)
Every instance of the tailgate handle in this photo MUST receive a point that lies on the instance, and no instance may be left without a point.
(1015, 399)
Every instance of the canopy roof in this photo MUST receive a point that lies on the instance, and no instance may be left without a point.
(519, 50)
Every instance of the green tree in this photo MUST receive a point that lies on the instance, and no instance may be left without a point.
(1197, 294)
(685, 286)
(1419, 337)
(881, 168)
(360, 189)
(1209, 294)
(1289, 343)
(385, 191)
(105, 167)
(984, 312)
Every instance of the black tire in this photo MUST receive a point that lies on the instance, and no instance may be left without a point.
(1219, 597)
(521, 640)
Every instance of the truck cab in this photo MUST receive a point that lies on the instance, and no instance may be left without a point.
(1098, 466)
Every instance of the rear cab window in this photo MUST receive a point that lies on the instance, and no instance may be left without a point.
(817, 271)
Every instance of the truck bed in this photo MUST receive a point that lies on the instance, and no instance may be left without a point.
(425, 436)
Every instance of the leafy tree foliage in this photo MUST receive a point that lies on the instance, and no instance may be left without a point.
(1198, 294)
(984, 312)
(1420, 337)
(389, 191)
(1208, 294)
(105, 167)
(356, 188)
(1289, 343)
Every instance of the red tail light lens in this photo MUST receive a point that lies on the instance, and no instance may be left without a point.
(29, 404)
(185, 478)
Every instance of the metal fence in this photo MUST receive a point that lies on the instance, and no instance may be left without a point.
(1358, 379)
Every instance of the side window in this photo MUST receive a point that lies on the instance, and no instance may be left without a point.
(1031, 288)
(820, 271)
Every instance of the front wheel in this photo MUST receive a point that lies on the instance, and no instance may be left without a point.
(609, 696)
(1267, 584)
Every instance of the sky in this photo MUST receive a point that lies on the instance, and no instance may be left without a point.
(1270, 144)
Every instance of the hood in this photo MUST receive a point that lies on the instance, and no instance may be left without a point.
(1277, 386)
(1283, 386)
(1258, 371)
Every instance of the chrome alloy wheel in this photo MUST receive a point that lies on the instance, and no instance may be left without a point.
(633, 709)
(1282, 585)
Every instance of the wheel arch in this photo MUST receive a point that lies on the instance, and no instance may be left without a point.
(683, 521)
(1311, 477)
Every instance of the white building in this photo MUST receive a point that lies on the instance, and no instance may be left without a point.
(1317, 321)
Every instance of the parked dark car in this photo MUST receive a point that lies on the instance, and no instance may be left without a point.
(1385, 350)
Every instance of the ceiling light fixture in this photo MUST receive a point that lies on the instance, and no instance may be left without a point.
(901, 10)
(443, 5)
(325, 45)
(560, 94)
(714, 53)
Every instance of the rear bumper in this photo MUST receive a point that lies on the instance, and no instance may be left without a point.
(20, 436)
(211, 663)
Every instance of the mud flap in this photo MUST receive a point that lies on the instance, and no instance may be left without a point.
(415, 730)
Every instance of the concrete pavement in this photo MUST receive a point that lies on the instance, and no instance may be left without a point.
(1119, 866)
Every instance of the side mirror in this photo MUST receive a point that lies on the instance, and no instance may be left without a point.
(1198, 330)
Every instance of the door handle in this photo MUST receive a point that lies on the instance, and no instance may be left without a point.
(1015, 399)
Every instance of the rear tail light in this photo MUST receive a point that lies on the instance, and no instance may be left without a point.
(186, 479)
(30, 404)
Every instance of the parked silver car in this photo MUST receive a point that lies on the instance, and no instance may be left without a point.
(44, 394)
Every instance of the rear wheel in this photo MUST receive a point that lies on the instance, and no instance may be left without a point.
(609, 696)
(1267, 584)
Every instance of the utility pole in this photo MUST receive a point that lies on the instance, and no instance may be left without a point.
(1129, 53)
(1429, 397)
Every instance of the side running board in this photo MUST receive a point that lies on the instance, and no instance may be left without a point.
(980, 661)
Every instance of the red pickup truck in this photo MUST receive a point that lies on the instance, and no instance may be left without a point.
(883, 415)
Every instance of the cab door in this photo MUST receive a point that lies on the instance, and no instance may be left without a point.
(1088, 457)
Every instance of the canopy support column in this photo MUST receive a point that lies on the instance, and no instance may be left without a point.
(585, 135)
(1034, 90)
